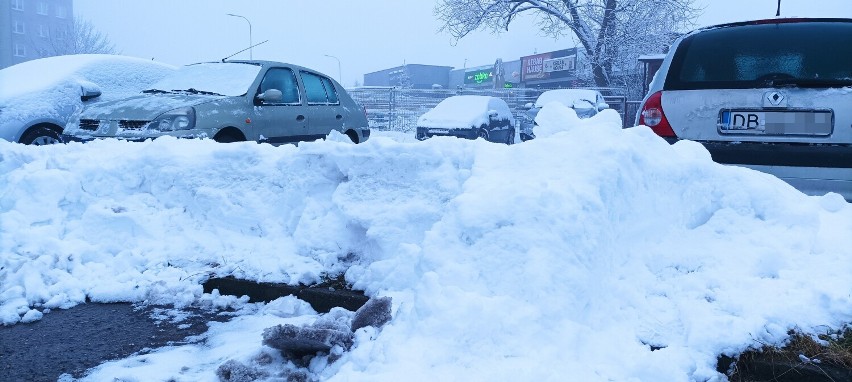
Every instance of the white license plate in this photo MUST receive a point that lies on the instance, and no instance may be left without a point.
(439, 131)
(789, 122)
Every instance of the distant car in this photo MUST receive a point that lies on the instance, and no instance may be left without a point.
(231, 101)
(772, 95)
(38, 97)
(470, 117)
(586, 102)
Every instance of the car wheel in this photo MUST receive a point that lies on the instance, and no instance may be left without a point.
(483, 133)
(40, 136)
(353, 136)
(228, 137)
(510, 139)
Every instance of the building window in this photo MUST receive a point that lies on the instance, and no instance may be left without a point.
(42, 8)
(20, 50)
(60, 12)
(18, 5)
(43, 31)
(18, 27)
(60, 34)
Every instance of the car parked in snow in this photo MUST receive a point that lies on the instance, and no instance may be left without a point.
(470, 117)
(585, 102)
(38, 97)
(229, 101)
(772, 95)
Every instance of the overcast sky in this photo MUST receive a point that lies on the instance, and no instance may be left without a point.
(364, 36)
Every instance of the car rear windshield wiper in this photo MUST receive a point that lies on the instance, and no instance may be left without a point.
(196, 91)
(811, 82)
(155, 91)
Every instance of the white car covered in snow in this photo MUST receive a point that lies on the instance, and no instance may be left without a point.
(471, 117)
(38, 97)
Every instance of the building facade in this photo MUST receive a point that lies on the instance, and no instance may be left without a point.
(411, 76)
(500, 75)
(31, 29)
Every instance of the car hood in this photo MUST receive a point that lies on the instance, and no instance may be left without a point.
(144, 107)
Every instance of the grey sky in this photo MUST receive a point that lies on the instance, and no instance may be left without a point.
(365, 36)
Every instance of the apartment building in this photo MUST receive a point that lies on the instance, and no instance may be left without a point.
(31, 29)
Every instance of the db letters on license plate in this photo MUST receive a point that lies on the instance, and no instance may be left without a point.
(439, 131)
(743, 120)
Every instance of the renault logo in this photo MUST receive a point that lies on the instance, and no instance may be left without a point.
(775, 99)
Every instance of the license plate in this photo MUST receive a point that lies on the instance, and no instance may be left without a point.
(797, 122)
(439, 131)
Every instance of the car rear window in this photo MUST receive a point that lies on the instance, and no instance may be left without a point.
(808, 54)
(319, 90)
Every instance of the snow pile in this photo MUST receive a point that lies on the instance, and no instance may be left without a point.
(592, 252)
(464, 112)
(555, 117)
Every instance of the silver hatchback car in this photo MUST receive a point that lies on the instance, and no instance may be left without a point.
(772, 95)
(231, 101)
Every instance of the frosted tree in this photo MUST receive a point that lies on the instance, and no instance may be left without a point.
(611, 33)
(78, 38)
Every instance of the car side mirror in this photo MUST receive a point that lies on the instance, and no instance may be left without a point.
(492, 113)
(602, 106)
(528, 106)
(271, 95)
(89, 91)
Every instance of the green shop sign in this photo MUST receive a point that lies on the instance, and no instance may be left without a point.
(479, 77)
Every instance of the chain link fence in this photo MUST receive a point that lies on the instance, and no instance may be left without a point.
(395, 109)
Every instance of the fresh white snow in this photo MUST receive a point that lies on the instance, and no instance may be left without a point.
(565, 257)
(225, 78)
(51, 87)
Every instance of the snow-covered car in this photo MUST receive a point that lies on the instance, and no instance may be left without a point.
(469, 116)
(263, 101)
(585, 102)
(772, 95)
(38, 97)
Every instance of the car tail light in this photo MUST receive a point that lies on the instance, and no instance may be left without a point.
(653, 116)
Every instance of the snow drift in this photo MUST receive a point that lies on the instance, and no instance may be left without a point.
(593, 252)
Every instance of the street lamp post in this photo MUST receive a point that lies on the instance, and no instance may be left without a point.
(339, 76)
(251, 55)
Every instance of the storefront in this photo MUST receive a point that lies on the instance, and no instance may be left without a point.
(551, 70)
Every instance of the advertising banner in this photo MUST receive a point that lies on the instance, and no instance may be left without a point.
(558, 64)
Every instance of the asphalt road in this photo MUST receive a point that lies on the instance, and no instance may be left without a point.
(74, 340)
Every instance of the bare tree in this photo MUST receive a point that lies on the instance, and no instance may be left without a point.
(611, 33)
(78, 38)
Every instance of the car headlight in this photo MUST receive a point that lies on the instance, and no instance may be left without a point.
(177, 119)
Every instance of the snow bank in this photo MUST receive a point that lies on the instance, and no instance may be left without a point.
(575, 254)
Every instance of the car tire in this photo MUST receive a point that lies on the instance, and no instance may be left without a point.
(227, 138)
(482, 133)
(353, 136)
(510, 139)
(41, 135)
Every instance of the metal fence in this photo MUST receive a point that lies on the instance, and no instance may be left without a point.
(396, 109)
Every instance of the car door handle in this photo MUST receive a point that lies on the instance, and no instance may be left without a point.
(300, 118)
(339, 117)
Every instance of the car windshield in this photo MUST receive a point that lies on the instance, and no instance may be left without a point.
(804, 54)
(226, 78)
